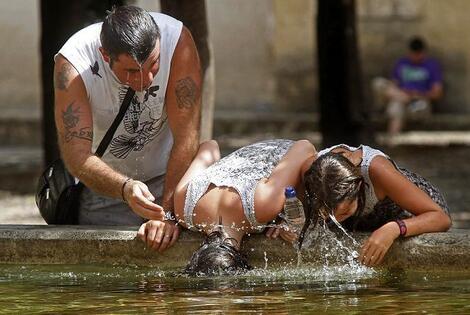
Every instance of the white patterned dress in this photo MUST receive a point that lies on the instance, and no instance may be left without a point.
(241, 170)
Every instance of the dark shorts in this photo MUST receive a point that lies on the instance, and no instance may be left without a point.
(100, 210)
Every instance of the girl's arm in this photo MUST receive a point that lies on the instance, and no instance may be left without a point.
(269, 195)
(389, 182)
(429, 216)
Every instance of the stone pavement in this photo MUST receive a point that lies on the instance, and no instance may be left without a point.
(18, 209)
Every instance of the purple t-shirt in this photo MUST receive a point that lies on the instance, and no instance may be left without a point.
(417, 77)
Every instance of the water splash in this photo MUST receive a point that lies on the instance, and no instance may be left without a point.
(299, 258)
(332, 217)
(311, 273)
(324, 254)
(333, 252)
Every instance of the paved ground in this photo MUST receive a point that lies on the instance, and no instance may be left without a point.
(18, 209)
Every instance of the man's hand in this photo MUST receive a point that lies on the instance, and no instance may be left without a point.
(159, 235)
(283, 231)
(377, 245)
(141, 200)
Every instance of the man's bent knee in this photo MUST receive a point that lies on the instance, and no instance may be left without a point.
(395, 110)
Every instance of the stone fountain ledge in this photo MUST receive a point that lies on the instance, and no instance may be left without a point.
(49, 244)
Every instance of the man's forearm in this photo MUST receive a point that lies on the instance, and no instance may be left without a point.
(96, 175)
(74, 122)
(180, 159)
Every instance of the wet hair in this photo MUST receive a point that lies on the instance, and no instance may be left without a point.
(331, 179)
(217, 256)
(417, 44)
(129, 30)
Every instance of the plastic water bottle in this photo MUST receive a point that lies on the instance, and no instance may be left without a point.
(293, 210)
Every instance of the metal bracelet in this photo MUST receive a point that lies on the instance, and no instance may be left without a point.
(122, 188)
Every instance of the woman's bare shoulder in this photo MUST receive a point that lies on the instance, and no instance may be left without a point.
(382, 173)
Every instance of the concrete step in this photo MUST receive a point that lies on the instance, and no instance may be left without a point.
(36, 244)
(20, 166)
(231, 142)
(20, 126)
(23, 127)
(236, 122)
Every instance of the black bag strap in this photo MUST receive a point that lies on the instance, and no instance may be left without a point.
(110, 133)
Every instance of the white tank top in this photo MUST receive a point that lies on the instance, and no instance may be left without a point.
(142, 143)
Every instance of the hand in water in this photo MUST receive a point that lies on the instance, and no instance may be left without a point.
(159, 235)
(377, 245)
(141, 200)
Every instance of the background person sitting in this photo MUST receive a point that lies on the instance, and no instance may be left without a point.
(416, 84)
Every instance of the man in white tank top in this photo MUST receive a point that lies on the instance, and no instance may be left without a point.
(155, 55)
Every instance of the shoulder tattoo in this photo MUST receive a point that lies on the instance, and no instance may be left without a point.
(62, 77)
(187, 93)
(71, 119)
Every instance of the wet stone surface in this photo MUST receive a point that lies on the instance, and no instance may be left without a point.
(119, 246)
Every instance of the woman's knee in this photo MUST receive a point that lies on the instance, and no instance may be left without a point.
(209, 145)
(209, 152)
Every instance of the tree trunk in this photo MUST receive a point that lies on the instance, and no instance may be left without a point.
(59, 20)
(193, 15)
(342, 114)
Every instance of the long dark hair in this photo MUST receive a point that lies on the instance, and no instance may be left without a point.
(217, 256)
(331, 179)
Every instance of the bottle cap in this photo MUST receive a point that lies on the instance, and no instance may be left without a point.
(290, 192)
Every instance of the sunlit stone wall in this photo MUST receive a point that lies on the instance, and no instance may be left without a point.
(265, 50)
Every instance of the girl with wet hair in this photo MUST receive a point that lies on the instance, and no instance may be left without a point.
(365, 190)
(228, 198)
(218, 255)
(331, 180)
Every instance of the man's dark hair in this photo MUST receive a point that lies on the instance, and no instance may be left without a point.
(417, 44)
(129, 30)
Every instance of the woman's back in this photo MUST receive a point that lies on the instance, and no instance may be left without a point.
(235, 174)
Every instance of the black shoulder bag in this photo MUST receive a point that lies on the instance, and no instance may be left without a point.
(58, 192)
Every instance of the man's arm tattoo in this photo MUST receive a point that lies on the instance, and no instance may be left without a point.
(62, 77)
(71, 118)
(187, 93)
